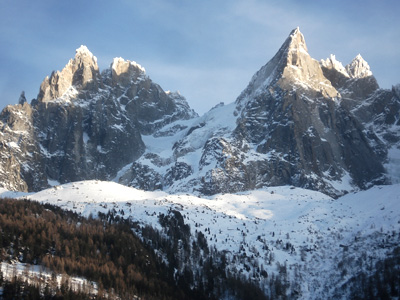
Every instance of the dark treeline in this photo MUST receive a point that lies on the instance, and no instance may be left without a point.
(199, 270)
(64, 242)
(384, 283)
(107, 251)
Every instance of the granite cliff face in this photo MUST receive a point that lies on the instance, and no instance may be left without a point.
(81, 73)
(84, 124)
(295, 117)
(317, 125)
(299, 122)
(21, 164)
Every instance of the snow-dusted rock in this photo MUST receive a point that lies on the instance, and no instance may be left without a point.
(82, 72)
(358, 68)
(84, 124)
(300, 122)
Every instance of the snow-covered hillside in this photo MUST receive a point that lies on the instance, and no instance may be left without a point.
(316, 242)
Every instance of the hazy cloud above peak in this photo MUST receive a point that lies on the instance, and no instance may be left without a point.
(208, 50)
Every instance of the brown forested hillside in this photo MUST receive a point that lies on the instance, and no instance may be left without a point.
(109, 254)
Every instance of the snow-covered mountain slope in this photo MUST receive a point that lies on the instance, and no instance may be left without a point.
(305, 236)
(180, 156)
(299, 122)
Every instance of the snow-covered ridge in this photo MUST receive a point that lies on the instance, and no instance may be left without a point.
(332, 63)
(83, 50)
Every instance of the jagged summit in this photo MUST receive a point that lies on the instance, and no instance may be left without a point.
(291, 68)
(286, 128)
(124, 72)
(287, 113)
(119, 60)
(300, 70)
(81, 72)
(85, 124)
(84, 56)
(332, 63)
(354, 81)
(296, 41)
(358, 68)
(83, 50)
(288, 54)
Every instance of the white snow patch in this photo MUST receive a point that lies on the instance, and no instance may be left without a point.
(37, 273)
(344, 184)
(100, 149)
(4, 193)
(53, 182)
(85, 137)
(13, 145)
(393, 164)
(122, 172)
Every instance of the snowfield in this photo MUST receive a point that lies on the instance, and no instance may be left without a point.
(34, 273)
(314, 237)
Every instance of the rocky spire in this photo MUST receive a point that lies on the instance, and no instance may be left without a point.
(291, 68)
(22, 98)
(82, 72)
(332, 63)
(300, 70)
(124, 72)
(295, 44)
(334, 71)
(358, 68)
(288, 54)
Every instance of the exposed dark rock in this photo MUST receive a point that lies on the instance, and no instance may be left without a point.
(178, 171)
(142, 177)
(84, 125)
(299, 122)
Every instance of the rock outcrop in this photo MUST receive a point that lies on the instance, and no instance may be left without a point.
(299, 122)
(84, 124)
(317, 125)
(81, 73)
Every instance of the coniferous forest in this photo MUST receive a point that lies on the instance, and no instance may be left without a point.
(106, 250)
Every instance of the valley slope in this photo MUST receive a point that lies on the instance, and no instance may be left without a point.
(311, 242)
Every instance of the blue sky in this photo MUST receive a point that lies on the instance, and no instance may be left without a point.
(208, 50)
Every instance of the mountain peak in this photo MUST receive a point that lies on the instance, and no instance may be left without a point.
(83, 50)
(291, 68)
(81, 72)
(295, 48)
(83, 55)
(358, 68)
(296, 40)
(119, 61)
(124, 72)
(332, 63)
(296, 30)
